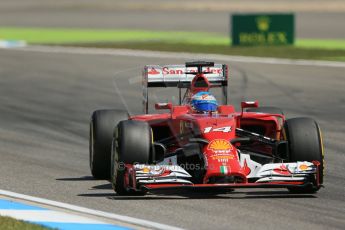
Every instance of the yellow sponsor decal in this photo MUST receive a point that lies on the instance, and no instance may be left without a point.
(146, 170)
(263, 38)
(303, 167)
(220, 146)
(263, 23)
(221, 157)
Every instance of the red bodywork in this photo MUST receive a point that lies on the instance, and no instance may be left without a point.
(218, 128)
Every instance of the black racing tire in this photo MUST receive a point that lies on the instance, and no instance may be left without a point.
(102, 125)
(305, 144)
(266, 109)
(132, 143)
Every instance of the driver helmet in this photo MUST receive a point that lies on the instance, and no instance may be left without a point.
(204, 102)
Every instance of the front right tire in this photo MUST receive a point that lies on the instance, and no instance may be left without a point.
(305, 144)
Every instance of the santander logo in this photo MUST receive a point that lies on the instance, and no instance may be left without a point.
(181, 71)
(153, 71)
(167, 70)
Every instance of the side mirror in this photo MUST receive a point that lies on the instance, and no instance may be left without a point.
(159, 106)
(249, 104)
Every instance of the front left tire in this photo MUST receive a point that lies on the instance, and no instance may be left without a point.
(132, 144)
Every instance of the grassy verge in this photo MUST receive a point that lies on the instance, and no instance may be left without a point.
(7, 223)
(261, 51)
(174, 41)
(63, 36)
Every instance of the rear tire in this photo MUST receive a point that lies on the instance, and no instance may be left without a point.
(132, 144)
(102, 127)
(305, 144)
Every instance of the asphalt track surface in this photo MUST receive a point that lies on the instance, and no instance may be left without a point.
(46, 100)
(314, 18)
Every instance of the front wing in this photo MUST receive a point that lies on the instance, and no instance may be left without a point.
(275, 175)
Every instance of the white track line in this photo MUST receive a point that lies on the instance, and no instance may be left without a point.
(127, 219)
(194, 56)
(47, 216)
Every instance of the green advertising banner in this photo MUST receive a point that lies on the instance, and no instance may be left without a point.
(262, 29)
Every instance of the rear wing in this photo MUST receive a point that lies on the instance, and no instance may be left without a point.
(181, 76)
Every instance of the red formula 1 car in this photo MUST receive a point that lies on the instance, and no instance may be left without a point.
(256, 147)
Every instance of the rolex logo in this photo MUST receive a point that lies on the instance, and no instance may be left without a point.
(263, 23)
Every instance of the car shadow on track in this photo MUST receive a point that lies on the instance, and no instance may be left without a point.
(205, 194)
(83, 178)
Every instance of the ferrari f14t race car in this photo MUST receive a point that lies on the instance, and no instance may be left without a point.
(202, 144)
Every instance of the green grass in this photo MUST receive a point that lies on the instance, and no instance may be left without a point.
(321, 43)
(63, 36)
(258, 51)
(7, 223)
(198, 42)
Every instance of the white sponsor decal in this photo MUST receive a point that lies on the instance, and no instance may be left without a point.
(225, 129)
